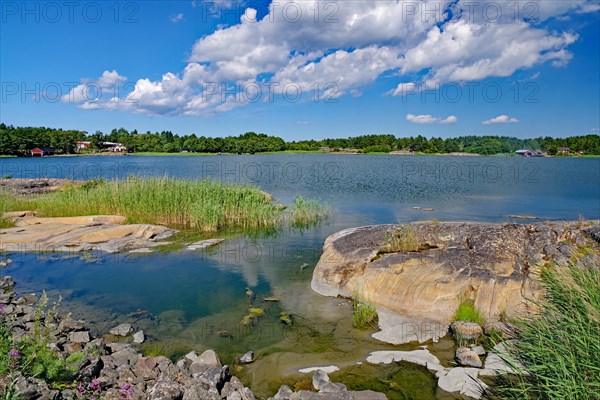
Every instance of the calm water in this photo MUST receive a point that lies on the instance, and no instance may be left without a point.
(189, 300)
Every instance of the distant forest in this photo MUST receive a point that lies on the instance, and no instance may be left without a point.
(21, 140)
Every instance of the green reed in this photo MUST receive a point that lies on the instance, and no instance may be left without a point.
(203, 205)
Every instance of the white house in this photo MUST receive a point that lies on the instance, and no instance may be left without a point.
(83, 145)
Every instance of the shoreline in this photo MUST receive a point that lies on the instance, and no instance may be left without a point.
(109, 365)
(295, 152)
(448, 376)
(115, 358)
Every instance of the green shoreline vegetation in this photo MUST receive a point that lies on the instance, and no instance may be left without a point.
(203, 205)
(558, 348)
(18, 141)
(35, 356)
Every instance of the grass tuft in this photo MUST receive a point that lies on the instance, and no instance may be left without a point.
(365, 315)
(559, 347)
(467, 312)
(403, 239)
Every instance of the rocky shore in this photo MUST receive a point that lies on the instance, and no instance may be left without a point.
(418, 274)
(24, 186)
(416, 287)
(111, 367)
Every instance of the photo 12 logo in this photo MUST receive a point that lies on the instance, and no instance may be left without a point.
(329, 12)
(266, 92)
(470, 171)
(471, 92)
(290, 12)
(68, 92)
(271, 172)
(70, 170)
(52, 12)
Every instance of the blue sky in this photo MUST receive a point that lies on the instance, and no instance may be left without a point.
(358, 67)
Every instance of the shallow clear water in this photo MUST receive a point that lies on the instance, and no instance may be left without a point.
(186, 299)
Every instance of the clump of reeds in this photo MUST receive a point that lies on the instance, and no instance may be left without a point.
(558, 348)
(304, 213)
(203, 205)
(365, 315)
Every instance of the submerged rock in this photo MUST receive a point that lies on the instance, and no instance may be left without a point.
(329, 369)
(321, 382)
(247, 358)
(5, 263)
(286, 318)
(303, 266)
(139, 337)
(248, 320)
(204, 244)
(142, 250)
(285, 393)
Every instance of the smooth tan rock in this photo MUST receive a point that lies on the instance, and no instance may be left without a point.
(83, 220)
(73, 234)
(490, 264)
(18, 214)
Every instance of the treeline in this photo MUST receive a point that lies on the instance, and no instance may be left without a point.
(486, 145)
(20, 140)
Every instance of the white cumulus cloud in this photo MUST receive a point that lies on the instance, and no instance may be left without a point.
(501, 119)
(347, 45)
(430, 119)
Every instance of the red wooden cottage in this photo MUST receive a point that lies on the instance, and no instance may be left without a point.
(42, 151)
